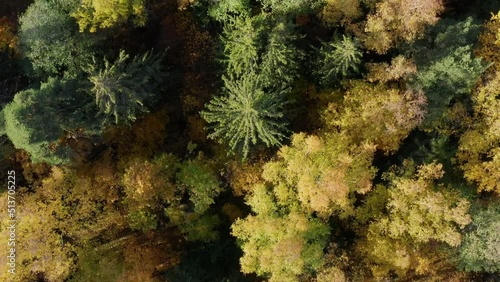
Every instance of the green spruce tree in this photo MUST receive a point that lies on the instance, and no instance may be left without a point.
(246, 115)
(338, 59)
(123, 88)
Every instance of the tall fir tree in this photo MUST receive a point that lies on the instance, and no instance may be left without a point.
(338, 59)
(246, 115)
(122, 88)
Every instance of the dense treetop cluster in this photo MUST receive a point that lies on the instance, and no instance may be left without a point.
(252, 140)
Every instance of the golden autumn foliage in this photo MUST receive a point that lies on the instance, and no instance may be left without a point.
(399, 68)
(281, 248)
(129, 258)
(421, 217)
(37, 244)
(489, 47)
(321, 172)
(479, 149)
(98, 14)
(366, 128)
(61, 214)
(332, 274)
(8, 38)
(399, 20)
(340, 12)
(377, 114)
(141, 140)
(145, 255)
(243, 176)
(146, 183)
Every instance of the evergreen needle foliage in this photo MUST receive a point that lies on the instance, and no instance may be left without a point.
(242, 43)
(122, 88)
(395, 128)
(338, 59)
(246, 115)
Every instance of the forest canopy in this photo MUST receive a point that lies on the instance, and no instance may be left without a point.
(250, 140)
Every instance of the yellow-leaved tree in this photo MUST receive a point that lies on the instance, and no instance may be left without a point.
(323, 173)
(280, 241)
(310, 180)
(419, 220)
(98, 14)
(377, 114)
(479, 148)
(399, 20)
(341, 12)
(68, 210)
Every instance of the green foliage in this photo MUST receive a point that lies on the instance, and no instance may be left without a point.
(262, 44)
(246, 115)
(200, 181)
(317, 210)
(50, 40)
(95, 265)
(201, 228)
(123, 88)
(448, 71)
(281, 247)
(338, 59)
(142, 220)
(279, 61)
(480, 249)
(451, 33)
(197, 179)
(194, 227)
(184, 191)
(260, 65)
(373, 206)
(37, 118)
(94, 14)
(224, 10)
(291, 7)
(448, 78)
(315, 175)
(242, 40)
